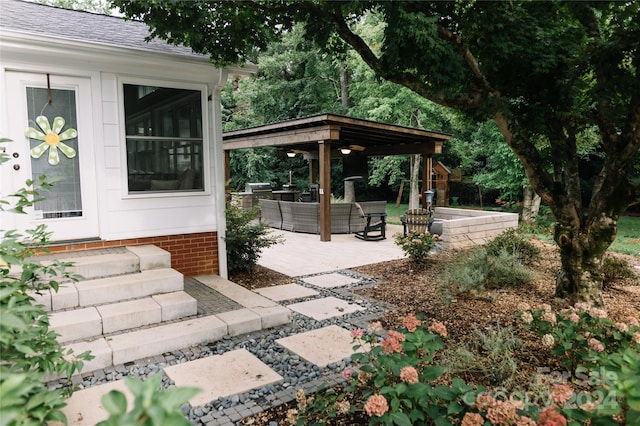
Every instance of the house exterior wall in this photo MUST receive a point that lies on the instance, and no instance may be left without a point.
(192, 254)
(189, 225)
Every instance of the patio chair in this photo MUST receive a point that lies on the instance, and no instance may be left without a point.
(270, 213)
(375, 227)
(417, 221)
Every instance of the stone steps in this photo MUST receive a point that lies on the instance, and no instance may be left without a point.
(132, 305)
(83, 323)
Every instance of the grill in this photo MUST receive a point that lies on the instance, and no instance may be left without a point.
(258, 187)
(259, 190)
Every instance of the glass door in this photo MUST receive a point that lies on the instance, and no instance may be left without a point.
(57, 143)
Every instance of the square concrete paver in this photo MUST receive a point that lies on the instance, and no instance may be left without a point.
(85, 406)
(286, 292)
(327, 307)
(222, 375)
(321, 347)
(330, 280)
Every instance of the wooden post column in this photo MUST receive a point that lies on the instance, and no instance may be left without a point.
(324, 148)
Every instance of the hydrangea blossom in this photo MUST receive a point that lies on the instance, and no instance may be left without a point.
(376, 405)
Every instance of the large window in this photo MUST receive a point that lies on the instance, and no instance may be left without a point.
(164, 138)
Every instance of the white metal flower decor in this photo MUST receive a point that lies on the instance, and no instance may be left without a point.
(51, 139)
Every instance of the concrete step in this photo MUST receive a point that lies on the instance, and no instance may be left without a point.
(165, 338)
(147, 342)
(104, 265)
(91, 322)
(95, 264)
(133, 286)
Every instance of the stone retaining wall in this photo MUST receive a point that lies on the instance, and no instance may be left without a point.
(464, 228)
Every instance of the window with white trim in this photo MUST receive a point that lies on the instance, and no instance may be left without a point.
(164, 139)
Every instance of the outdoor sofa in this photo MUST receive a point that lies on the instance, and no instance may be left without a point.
(346, 218)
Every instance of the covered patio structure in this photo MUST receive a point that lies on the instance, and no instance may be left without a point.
(325, 136)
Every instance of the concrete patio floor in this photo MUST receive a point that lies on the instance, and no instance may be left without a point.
(304, 254)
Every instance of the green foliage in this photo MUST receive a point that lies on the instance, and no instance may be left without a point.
(417, 245)
(29, 348)
(603, 354)
(614, 269)
(151, 406)
(399, 380)
(480, 271)
(628, 238)
(394, 383)
(245, 238)
(540, 69)
(514, 243)
(97, 6)
(490, 355)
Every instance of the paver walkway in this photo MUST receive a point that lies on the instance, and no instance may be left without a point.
(244, 375)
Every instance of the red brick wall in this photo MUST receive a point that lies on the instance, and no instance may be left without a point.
(191, 254)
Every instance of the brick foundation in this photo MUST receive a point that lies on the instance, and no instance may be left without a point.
(191, 254)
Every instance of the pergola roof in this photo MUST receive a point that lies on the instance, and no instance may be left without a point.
(370, 137)
(320, 137)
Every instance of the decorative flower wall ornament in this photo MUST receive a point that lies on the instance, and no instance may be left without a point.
(52, 139)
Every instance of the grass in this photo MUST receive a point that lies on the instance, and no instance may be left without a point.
(394, 213)
(628, 238)
(626, 242)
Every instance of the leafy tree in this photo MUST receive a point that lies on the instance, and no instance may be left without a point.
(97, 6)
(28, 346)
(541, 70)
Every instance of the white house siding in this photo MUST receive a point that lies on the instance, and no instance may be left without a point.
(122, 215)
(107, 64)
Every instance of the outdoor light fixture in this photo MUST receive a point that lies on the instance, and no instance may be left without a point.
(291, 154)
(345, 150)
(428, 196)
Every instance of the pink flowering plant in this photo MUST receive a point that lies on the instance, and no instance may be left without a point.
(417, 245)
(579, 334)
(394, 381)
(601, 355)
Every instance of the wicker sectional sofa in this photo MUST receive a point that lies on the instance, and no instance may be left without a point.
(293, 216)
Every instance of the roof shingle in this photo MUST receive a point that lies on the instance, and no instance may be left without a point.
(34, 18)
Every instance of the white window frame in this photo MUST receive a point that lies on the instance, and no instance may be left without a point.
(206, 139)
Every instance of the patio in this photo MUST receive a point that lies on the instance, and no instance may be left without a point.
(303, 254)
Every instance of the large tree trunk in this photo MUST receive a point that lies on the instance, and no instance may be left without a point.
(583, 233)
(414, 192)
(582, 251)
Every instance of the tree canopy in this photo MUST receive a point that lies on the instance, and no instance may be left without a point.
(546, 72)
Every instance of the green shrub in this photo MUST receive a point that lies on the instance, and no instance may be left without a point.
(399, 381)
(480, 271)
(513, 243)
(417, 245)
(151, 406)
(506, 269)
(614, 269)
(29, 348)
(490, 355)
(245, 238)
(467, 275)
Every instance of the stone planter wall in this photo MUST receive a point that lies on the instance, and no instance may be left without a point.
(460, 228)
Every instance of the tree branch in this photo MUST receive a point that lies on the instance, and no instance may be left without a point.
(469, 58)
(463, 101)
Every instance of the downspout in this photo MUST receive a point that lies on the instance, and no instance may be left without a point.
(215, 129)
